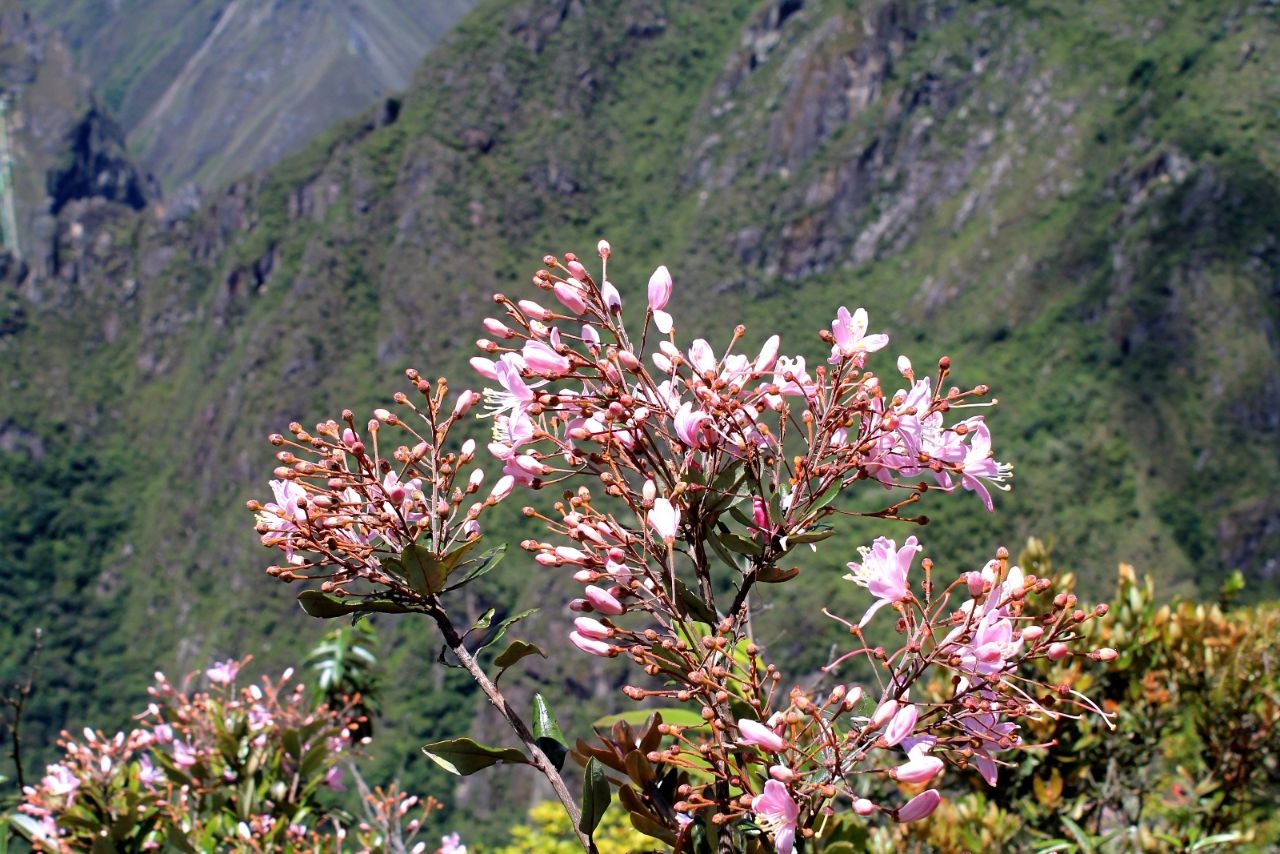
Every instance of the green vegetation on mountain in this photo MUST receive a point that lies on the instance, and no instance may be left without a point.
(210, 90)
(1076, 202)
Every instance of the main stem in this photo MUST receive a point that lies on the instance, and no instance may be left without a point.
(539, 759)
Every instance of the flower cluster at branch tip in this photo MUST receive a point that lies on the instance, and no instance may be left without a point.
(683, 470)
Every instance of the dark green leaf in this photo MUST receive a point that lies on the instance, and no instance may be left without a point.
(515, 651)
(812, 535)
(463, 756)
(425, 572)
(484, 564)
(738, 543)
(693, 604)
(495, 634)
(596, 796)
(680, 717)
(547, 734)
(451, 560)
(327, 606)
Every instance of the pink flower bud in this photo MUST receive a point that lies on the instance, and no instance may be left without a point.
(467, 451)
(604, 249)
(883, 713)
(579, 605)
(570, 295)
(498, 328)
(612, 299)
(382, 415)
(465, 401)
(576, 270)
(919, 769)
(531, 465)
(862, 806)
(1032, 633)
(904, 367)
(768, 355)
(782, 773)
(590, 335)
(628, 360)
(919, 807)
(502, 488)
(592, 628)
(349, 437)
(604, 601)
(585, 576)
(1058, 651)
(595, 647)
(974, 580)
(534, 310)
(484, 367)
(664, 518)
(901, 725)
(659, 288)
(664, 322)
(541, 360)
(1105, 654)
(649, 490)
(754, 732)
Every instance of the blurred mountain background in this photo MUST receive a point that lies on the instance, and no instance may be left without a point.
(1077, 201)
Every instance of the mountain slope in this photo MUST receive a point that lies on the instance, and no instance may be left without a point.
(208, 91)
(1077, 207)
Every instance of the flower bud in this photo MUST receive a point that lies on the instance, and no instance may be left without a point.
(974, 580)
(570, 295)
(612, 299)
(534, 310)
(919, 807)
(919, 769)
(1032, 633)
(754, 732)
(1058, 651)
(576, 270)
(884, 713)
(659, 288)
(603, 601)
(1105, 654)
(498, 328)
(592, 628)
(862, 806)
(595, 647)
(604, 249)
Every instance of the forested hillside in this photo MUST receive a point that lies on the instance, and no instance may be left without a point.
(1075, 201)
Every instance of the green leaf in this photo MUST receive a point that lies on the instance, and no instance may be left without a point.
(495, 634)
(515, 651)
(451, 560)
(694, 606)
(596, 796)
(1079, 833)
(738, 543)
(464, 756)
(547, 734)
(326, 606)
(484, 564)
(815, 534)
(425, 572)
(677, 716)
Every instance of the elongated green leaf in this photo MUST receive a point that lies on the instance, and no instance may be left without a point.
(816, 534)
(327, 606)
(596, 796)
(677, 716)
(515, 651)
(451, 560)
(464, 756)
(723, 553)
(547, 734)
(693, 604)
(495, 634)
(738, 543)
(480, 566)
(1079, 834)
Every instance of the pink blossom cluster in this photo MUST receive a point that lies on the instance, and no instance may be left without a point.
(192, 757)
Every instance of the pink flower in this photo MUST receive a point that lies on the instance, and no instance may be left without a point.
(223, 672)
(452, 844)
(918, 807)
(776, 812)
(851, 336)
(883, 572)
(333, 779)
(659, 288)
(183, 754)
(754, 732)
(59, 781)
(980, 466)
(604, 601)
(148, 773)
(664, 518)
(591, 645)
(695, 427)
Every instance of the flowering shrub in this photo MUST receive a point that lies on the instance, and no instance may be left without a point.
(220, 769)
(686, 477)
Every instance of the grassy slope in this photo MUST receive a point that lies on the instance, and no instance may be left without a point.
(1077, 284)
